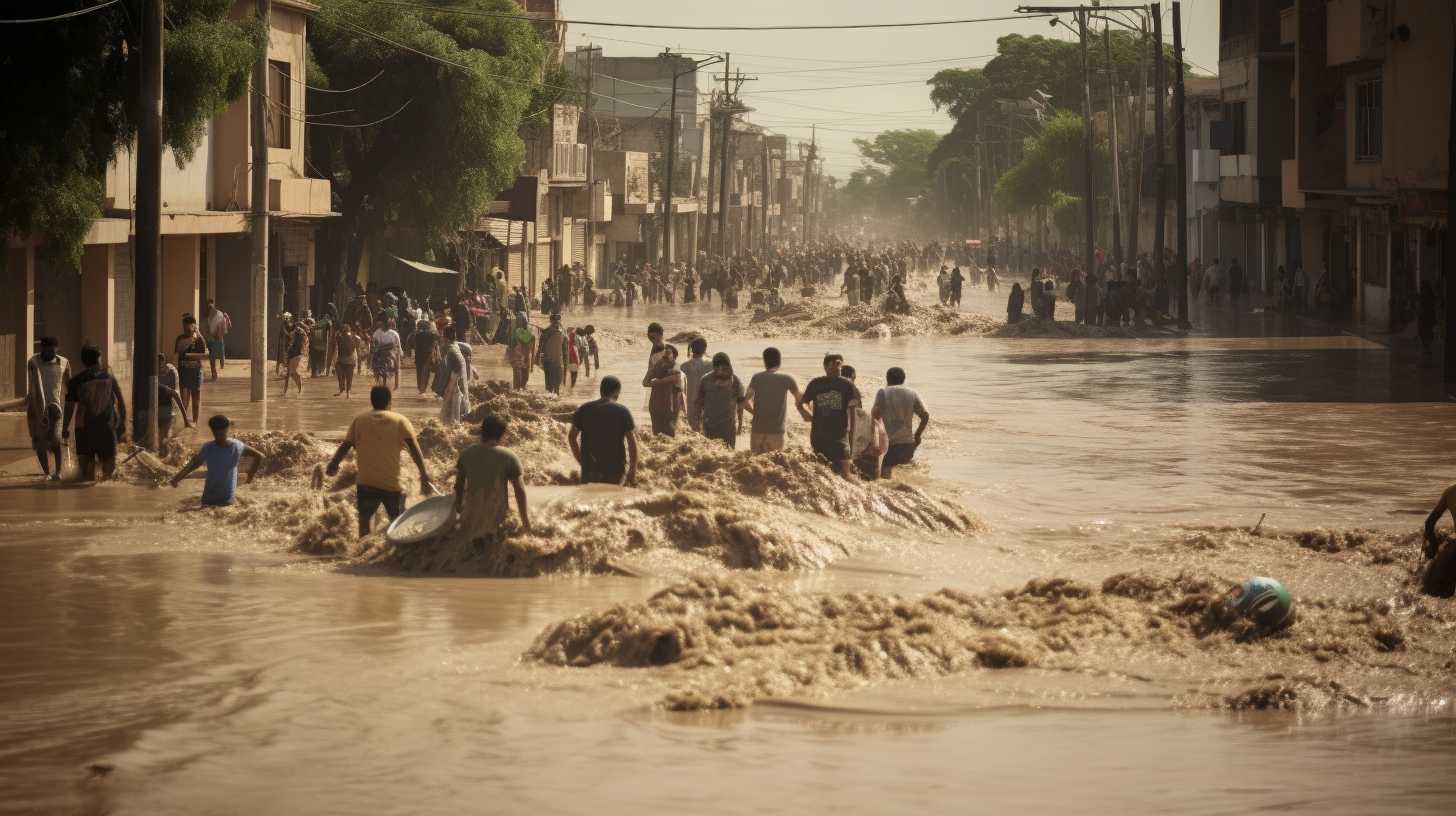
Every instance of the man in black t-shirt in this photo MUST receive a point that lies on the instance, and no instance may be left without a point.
(602, 438)
(833, 398)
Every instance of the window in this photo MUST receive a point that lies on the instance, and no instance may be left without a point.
(1368, 120)
(280, 105)
(1234, 141)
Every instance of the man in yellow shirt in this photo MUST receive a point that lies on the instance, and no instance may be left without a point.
(378, 437)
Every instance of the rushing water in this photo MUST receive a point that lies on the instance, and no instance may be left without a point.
(146, 669)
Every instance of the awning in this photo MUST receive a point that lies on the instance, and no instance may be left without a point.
(424, 267)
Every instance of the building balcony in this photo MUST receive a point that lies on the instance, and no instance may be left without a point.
(1355, 31)
(1203, 166)
(564, 162)
(1234, 47)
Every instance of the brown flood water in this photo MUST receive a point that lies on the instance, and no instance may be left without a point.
(153, 662)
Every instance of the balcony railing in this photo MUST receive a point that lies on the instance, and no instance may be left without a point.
(562, 161)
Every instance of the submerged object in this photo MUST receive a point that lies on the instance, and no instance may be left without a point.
(429, 518)
(1264, 601)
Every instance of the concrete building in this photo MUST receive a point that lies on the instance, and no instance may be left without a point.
(1202, 111)
(1254, 139)
(205, 232)
(631, 109)
(1372, 101)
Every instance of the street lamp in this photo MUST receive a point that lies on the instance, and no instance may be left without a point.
(667, 182)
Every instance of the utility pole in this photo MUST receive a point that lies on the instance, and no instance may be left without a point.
(148, 262)
(258, 132)
(667, 180)
(1160, 141)
(1089, 203)
(978, 230)
(1180, 141)
(1134, 226)
(809, 196)
(767, 192)
(591, 145)
(1116, 161)
(726, 128)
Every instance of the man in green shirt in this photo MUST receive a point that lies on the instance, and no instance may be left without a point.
(481, 476)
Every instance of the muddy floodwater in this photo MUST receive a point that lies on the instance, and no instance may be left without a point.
(1072, 500)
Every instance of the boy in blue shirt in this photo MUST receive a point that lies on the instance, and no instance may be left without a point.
(222, 456)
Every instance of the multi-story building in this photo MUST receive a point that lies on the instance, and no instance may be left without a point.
(1255, 138)
(1369, 178)
(205, 231)
(632, 102)
(1201, 111)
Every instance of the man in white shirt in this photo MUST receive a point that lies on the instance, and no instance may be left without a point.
(215, 327)
(46, 375)
(896, 404)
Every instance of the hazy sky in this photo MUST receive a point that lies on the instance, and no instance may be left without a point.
(798, 59)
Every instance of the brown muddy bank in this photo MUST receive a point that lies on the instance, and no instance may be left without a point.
(725, 642)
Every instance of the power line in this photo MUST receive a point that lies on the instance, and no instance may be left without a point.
(68, 15)
(672, 27)
(875, 65)
(366, 32)
(334, 91)
(842, 87)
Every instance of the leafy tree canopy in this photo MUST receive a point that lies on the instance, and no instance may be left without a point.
(1052, 162)
(72, 102)
(439, 162)
(897, 166)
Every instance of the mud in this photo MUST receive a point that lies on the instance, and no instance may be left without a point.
(724, 642)
(631, 533)
(816, 318)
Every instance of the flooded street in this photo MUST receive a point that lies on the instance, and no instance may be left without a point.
(153, 663)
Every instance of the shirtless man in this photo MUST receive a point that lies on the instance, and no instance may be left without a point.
(1447, 503)
(1440, 577)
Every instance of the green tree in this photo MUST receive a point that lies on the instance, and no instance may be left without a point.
(1047, 70)
(897, 165)
(448, 141)
(1052, 162)
(71, 102)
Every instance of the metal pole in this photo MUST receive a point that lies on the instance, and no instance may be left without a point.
(148, 262)
(1180, 137)
(258, 283)
(1139, 153)
(727, 127)
(810, 197)
(1116, 161)
(591, 224)
(1089, 252)
(667, 181)
(1160, 141)
(767, 193)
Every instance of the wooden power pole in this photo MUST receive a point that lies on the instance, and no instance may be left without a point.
(148, 263)
(1179, 278)
(258, 132)
(1160, 141)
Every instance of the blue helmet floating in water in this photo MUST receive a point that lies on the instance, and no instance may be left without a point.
(1264, 601)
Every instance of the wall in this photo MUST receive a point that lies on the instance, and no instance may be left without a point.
(181, 268)
(1319, 129)
(234, 289)
(17, 325)
(1417, 96)
(286, 43)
